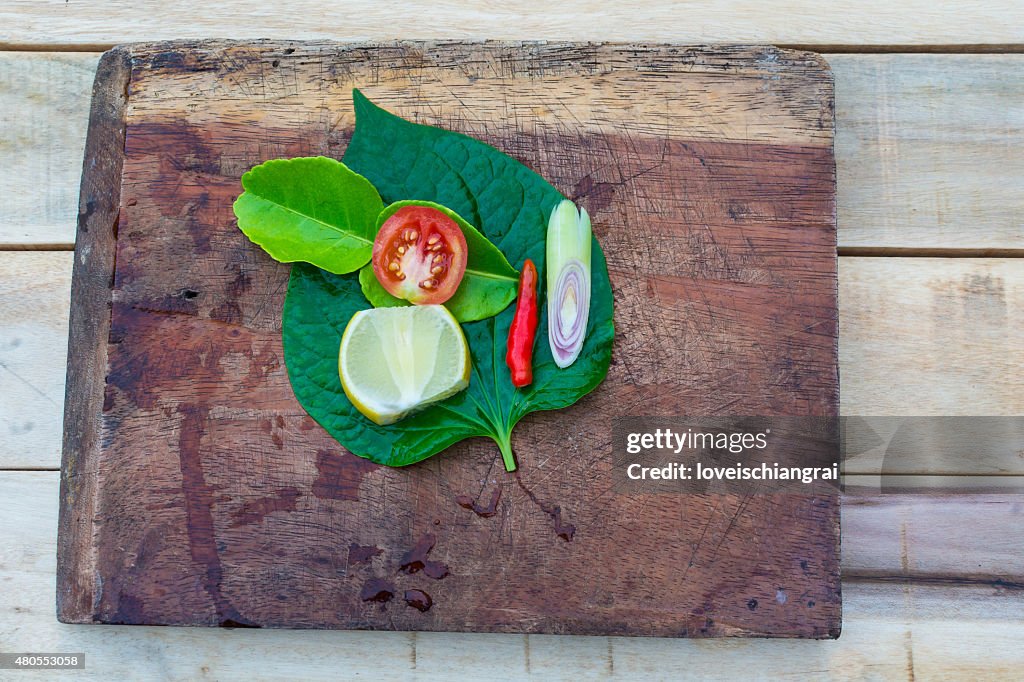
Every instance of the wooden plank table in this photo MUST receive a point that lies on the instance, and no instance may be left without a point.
(928, 123)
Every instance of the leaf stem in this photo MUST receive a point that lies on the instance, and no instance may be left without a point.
(504, 441)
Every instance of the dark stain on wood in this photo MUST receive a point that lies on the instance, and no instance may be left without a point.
(595, 196)
(419, 600)
(362, 554)
(564, 530)
(142, 374)
(181, 301)
(339, 475)
(467, 502)
(130, 609)
(229, 311)
(378, 590)
(254, 511)
(415, 560)
(198, 501)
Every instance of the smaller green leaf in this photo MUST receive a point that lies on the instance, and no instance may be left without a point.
(487, 288)
(310, 209)
(375, 293)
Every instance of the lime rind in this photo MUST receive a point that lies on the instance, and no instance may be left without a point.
(394, 361)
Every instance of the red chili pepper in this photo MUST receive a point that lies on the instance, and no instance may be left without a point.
(524, 328)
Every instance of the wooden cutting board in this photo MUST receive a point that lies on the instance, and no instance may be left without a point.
(197, 491)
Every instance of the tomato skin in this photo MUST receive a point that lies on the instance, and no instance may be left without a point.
(420, 255)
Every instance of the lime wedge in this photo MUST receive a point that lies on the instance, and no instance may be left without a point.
(394, 361)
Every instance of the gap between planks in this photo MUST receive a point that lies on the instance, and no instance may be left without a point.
(867, 577)
(925, 252)
(823, 48)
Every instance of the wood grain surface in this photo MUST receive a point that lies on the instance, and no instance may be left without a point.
(35, 290)
(44, 111)
(912, 130)
(927, 311)
(913, 365)
(926, 149)
(220, 502)
(992, 24)
(914, 627)
(897, 624)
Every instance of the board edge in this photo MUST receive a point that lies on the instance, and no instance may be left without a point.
(89, 328)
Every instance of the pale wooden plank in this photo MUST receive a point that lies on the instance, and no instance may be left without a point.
(975, 536)
(890, 630)
(928, 150)
(44, 112)
(931, 336)
(34, 296)
(948, 632)
(917, 336)
(871, 22)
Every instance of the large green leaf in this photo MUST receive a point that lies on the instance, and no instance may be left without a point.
(510, 204)
(488, 286)
(310, 209)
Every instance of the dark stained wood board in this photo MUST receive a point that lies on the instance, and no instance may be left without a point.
(196, 491)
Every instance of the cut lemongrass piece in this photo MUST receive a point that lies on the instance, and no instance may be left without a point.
(568, 281)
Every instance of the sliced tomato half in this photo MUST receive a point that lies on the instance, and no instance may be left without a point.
(420, 255)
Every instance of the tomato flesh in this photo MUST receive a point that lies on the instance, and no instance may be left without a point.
(420, 255)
